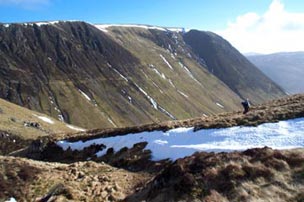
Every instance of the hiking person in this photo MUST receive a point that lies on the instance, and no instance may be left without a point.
(246, 105)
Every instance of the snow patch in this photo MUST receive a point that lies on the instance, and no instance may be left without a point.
(60, 117)
(122, 76)
(85, 95)
(165, 60)
(171, 83)
(218, 104)
(183, 94)
(130, 99)
(45, 119)
(12, 199)
(189, 73)
(161, 142)
(152, 101)
(111, 121)
(75, 127)
(162, 75)
(162, 92)
(167, 113)
(181, 142)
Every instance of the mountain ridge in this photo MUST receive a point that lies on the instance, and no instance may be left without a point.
(125, 76)
(232, 67)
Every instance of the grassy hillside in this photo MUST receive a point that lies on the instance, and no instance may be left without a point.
(120, 77)
(19, 126)
(17, 120)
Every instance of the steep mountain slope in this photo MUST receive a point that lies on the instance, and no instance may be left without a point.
(230, 66)
(286, 69)
(99, 78)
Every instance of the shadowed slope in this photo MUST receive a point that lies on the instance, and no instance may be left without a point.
(230, 66)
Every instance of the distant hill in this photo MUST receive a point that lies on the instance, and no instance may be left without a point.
(230, 66)
(286, 69)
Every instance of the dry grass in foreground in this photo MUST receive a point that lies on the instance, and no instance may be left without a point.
(253, 175)
(28, 180)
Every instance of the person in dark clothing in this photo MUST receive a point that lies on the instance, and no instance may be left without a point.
(246, 105)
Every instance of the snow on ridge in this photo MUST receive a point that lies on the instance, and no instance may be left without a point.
(45, 119)
(165, 60)
(176, 29)
(181, 142)
(46, 23)
(104, 27)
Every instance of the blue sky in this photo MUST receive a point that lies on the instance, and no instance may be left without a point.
(200, 14)
(229, 18)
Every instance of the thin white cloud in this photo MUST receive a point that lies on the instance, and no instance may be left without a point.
(275, 31)
(25, 3)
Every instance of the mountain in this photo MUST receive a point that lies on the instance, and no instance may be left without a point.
(103, 76)
(286, 69)
(231, 67)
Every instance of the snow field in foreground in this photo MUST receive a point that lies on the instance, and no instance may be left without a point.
(181, 142)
